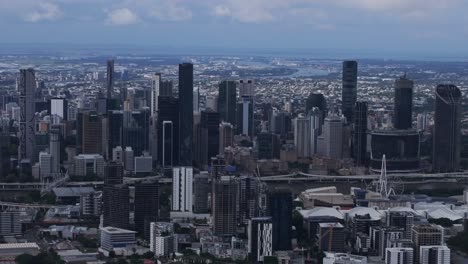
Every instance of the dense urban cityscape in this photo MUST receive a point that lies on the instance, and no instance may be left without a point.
(232, 159)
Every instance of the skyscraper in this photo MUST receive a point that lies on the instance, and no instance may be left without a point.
(447, 129)
(201, 189)
(182, 189)
(113, 173)
(59, 106)
(226, 136)
(4, 154)
(260, 238)
(185, 113)
(90, 132)
(155, 90)
(302, 137)
(210, 135)
(110, 78)
(268, 146)
(166, 88)
(27, 87)
(319, 101)
(245, 117)
(360, 134)
(227, 101)
(402, 112)
(349, 89)
(280, 209)
(246, 88)
(333, 137)
(116, 209)
(54, 147)
(146, 206)
(168, 131)
(224, 206)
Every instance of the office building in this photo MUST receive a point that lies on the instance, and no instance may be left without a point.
(110, 78)
(59, 107)
(88, 164)
(447, 129)
(434, 255)
(227, 101)
(182, 189)
(117, 154)
(246, 88)
(163, 240)
(115, 130)
(27, 131)
(116, 206)
(168, 132)
(146, 206)
(303, 137)
(260, 233)
(4, 154)
(399, 256)
(10, 224)
(136, 130)
(224, 199)
(245, 117)
(143, 164)
(249, 196)
(403, 109)
(279, 208)
(165, 88)
(360, 134)
(185, 114)
(90, 132)
(349, 89)
(54, 148)
(333, 137)
(403, 220)
(226, 136)
(209, 124)
(201, 189)
(129, 159)
(268, 145)
(426, 235)
(45, 164)
(91, 204)
(116, 239)
(155, 89)
(113, 173)
(317, 101)
(331, 237)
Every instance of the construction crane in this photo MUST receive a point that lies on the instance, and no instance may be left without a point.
(329, 232)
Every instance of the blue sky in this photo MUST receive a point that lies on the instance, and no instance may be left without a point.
(432, 26)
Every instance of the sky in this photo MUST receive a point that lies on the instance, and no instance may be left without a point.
(429, 26)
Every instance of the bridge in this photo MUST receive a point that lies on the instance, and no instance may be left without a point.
(8, 205)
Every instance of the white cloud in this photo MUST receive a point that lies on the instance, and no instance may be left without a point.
(169, 11)
(221, 10)
(44, 11)
(122, 16)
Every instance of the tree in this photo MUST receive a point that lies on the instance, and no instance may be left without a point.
(148, 255)
(24, 259)
(122, 261)
(112, 254)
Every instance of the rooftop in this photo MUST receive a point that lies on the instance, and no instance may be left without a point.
(115, 230)
(19, 246)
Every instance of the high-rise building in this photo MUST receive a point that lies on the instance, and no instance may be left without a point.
(426, 235)
(246, 88)
(447, 129)
(403, 220)
(403, 110)
(260, 238)
(136, 130)
(116, 206)
(45, 164)
(318, 101)
(110, 78)
(146, 206)
(155, 90)
(54, 148)
(280, 208)
(201, 189)
(27, 140)
(89, 164)
(115, 130)
(434, 255)
(185, 113)
(91, 204)
(113, 173)
(268, 145)
(281, 124)
(227, 101)
(4, 154)
(224, 206)
(165, 88)
(332, 237)
(10, 223)
(226, 136)
(245, 117)
(360, 134)
(399, 255)
(249, 193)
(182, 189)
(59, 107)
(302, 137)
(168, 131)
(162, 239)
(209, 124)
(90, 132)
(129, 159)
(349, 89)
(333, 137)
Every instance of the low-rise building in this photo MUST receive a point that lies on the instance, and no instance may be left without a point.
(117, 240)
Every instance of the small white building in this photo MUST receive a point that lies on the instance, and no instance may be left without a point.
(434, 254)
(12, 250)
(343, 258)
(117, 240)
(162, 238)
(399, 255)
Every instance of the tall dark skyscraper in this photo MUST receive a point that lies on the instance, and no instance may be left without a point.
(210, 134)
(27, 89)
(185, 113)
(227, 101)
(113, 173)
(319, 101)
(146, 206)
(114, 135)
(116, 209)
(403, 103)
(168, 131)
(110, 78)
(245, 117)
(268, 146)
(280, 209)
(360, 133)
(349, 89)
(224, 206)
(136, 130)
(4, 154)
(447, 129)
(90, 132)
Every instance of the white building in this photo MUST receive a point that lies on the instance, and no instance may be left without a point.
(86, 164)
(399, 256)
(182, 189)
(143, 164)
(343, 258)
(333, 137)
(246, 88)
(302, 137)
(117, 154)
(162, 239)
(116, 239)
(260, 241)
(58, 106)
(45, 164)
(129, 158)
(12, 250)
(434, 254)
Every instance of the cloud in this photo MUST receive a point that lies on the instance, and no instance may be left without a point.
(169, 11)
(221, 10)
(45, 11)
(122, 16)
(250, 11)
